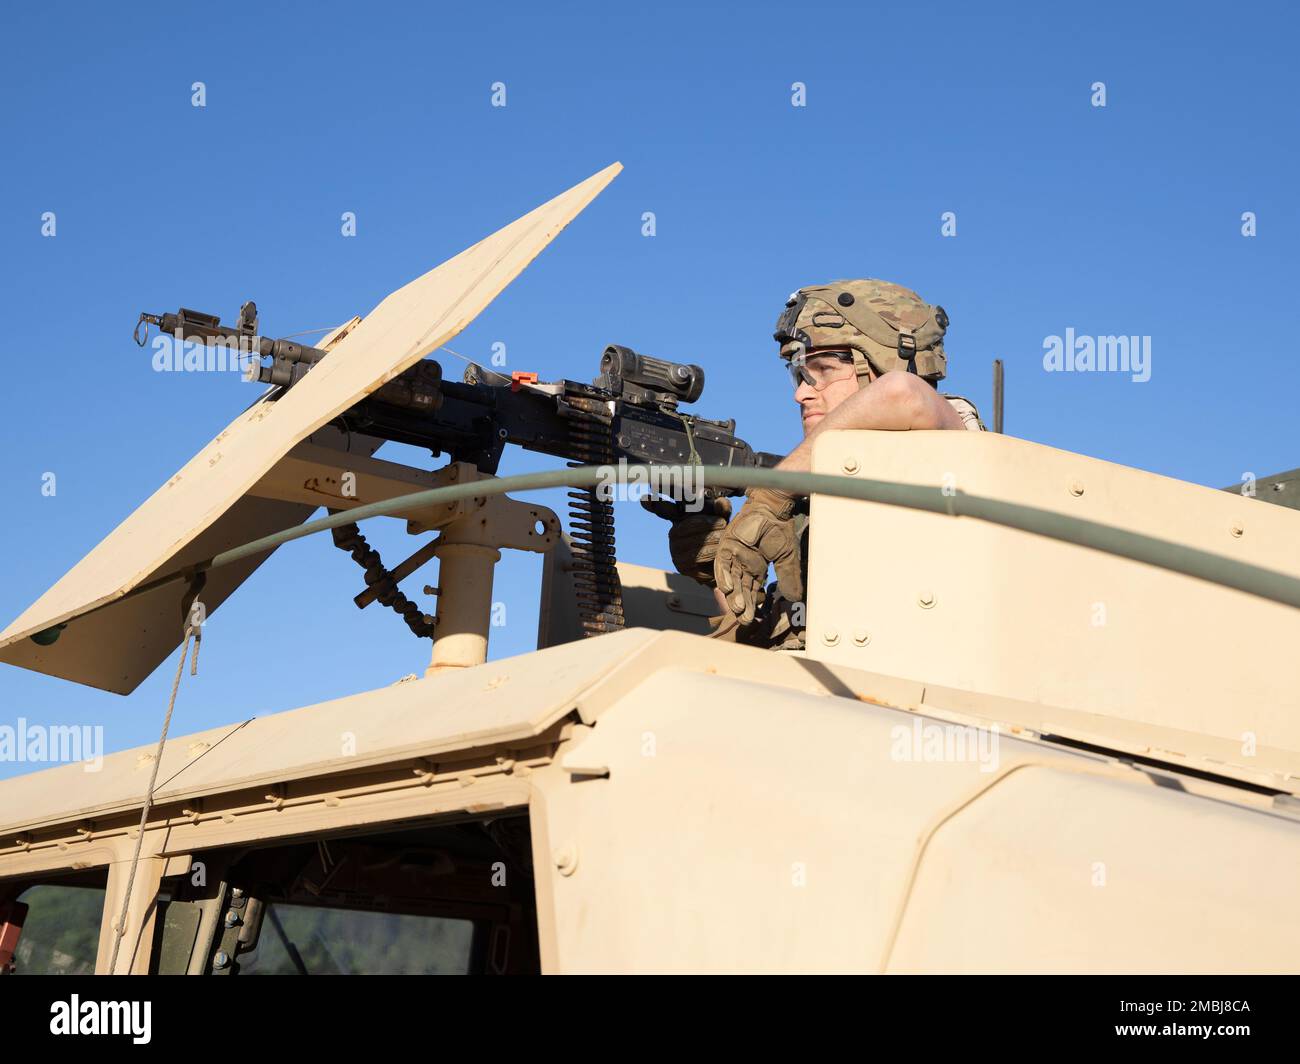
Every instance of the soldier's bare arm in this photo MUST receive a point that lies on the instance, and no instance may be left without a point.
(894, 401)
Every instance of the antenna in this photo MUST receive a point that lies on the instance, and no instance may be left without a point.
(997, 395)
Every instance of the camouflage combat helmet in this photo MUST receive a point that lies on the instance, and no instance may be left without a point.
(885, 325)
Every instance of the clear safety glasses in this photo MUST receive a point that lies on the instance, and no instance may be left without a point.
(820, 368)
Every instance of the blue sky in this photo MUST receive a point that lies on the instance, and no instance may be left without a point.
(1117, 220)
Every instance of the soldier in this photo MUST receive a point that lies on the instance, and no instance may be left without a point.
(862, 354)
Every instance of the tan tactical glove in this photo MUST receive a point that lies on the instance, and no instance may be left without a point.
(763, 534)
(693, 538)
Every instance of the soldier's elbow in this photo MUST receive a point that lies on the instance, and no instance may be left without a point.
(915, 404)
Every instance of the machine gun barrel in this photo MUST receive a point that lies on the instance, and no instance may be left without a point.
(289, 360)
(628, 413)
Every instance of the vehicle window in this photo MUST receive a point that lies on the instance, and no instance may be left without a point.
(306, 940)
(61, 932)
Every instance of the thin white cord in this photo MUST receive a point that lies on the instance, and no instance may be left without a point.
(304, 332)
(148, 797)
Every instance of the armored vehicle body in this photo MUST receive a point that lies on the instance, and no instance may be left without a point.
(1027, 733)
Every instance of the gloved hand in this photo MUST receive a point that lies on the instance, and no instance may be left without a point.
(763, 534)
(693, 538)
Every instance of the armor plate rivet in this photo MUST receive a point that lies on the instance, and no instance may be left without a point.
(566, 860)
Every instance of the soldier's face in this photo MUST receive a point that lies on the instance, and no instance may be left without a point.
(836, 381)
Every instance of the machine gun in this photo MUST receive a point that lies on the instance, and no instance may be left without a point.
(628, 414)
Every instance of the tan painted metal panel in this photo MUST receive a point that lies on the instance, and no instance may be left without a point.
(153, 540)
(733, 809)
(450, 710)
(115, 648)
(1063, 872)
(652, 598)
(1089, 637)
(740, 827)
(453, 710)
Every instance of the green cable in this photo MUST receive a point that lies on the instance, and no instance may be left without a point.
(687, 423)
(1175, 557)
